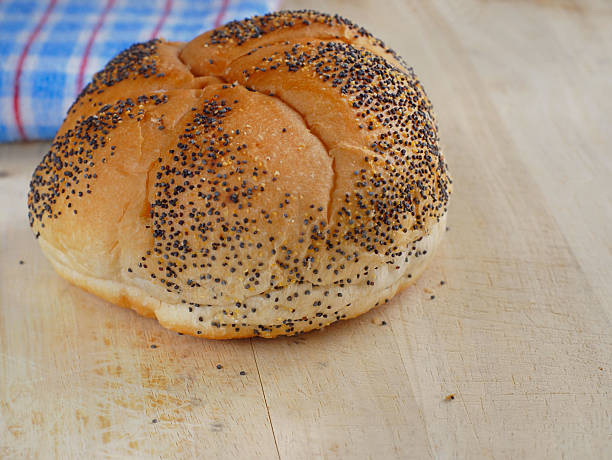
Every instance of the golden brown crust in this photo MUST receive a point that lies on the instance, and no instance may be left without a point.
(233, 181)
(213, 51)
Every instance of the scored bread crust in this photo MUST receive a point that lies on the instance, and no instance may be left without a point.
(269, 177)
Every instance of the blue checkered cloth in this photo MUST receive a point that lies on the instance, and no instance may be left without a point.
(49, 49)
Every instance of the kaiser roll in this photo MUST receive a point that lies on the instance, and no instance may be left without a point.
(269, 177)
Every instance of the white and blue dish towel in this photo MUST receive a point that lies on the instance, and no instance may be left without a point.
(49, 49)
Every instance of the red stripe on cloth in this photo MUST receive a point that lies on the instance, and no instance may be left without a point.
(90, 42)
(162, 19)
(221, 13)
(19, 70)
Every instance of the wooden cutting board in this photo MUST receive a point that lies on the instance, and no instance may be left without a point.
(519, 332)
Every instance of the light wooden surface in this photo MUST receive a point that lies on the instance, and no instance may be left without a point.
(519, 332)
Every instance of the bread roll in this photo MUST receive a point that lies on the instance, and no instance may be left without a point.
(270, 177)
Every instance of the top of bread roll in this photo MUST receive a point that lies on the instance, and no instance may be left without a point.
(232, 185)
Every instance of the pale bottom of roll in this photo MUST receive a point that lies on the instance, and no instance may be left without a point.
(213, 322)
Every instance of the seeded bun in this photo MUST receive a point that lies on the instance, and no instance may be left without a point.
(269, 177)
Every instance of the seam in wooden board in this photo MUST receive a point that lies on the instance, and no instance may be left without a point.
(440, 21)
(265, 399)
(434, 16)
(486, 106)
(418, 403)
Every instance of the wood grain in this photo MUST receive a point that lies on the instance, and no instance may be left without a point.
(519, 332)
